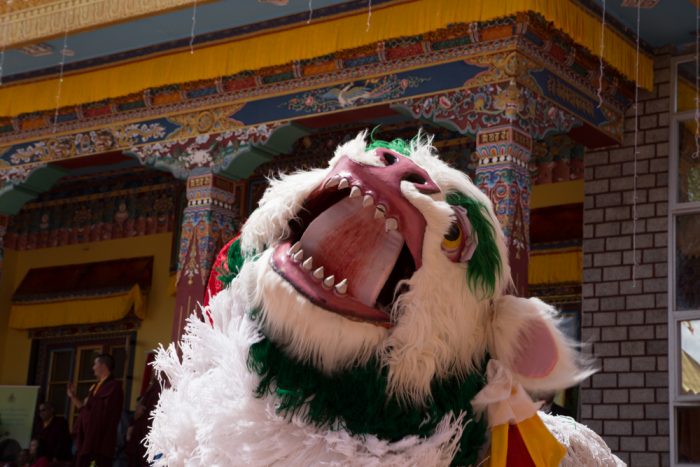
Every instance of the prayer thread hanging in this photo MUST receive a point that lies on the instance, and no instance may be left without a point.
(2, 50)
(194, 22)
(696, 154)
(369, 14)
(64, 53)
(636, 152)
(601, 65)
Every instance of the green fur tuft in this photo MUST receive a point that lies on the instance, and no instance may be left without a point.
(356, 399)
(485, 265)
(397, 145)
(234, 263)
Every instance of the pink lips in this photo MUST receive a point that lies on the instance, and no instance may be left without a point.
(347, 251)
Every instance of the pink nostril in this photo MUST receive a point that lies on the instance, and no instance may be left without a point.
(398, 168)
(387, 157)
(414, 178)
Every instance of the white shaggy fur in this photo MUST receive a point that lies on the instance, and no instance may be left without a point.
(439, 323)
(584, 448)
(434, 316)
(280, 203)
(210, 415)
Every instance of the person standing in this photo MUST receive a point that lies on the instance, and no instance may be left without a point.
(141, 424)
(53, 434)
(100, 411)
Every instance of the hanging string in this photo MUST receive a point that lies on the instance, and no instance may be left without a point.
(369, 14)
(2, 50)
(696, 155)
(636, 151)
(601, 65)
(64, 53)
(311, 12)
(194, 22)
(6, 26)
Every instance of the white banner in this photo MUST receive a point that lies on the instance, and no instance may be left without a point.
(17, 407)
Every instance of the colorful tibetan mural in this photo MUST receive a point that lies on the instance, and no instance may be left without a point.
(97, 208)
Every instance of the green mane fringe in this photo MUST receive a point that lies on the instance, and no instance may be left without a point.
(485, 265)
(234, 263)
(398, 145)
(356, 399)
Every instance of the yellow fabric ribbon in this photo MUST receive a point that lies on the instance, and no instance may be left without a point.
(506, 403)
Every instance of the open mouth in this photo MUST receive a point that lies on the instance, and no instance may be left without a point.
(351, 246)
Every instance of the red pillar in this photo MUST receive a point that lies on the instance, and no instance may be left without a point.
(208, 222)
(502, 173)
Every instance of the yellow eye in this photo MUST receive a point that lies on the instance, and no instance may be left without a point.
(460, 241)
(453, 238)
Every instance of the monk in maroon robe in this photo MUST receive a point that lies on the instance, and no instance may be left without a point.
(53, 433)
(96, 427)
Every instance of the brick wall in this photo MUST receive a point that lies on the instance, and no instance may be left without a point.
(627, 400)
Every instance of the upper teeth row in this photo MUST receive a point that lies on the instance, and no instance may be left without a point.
(367, 200)
(307, 264)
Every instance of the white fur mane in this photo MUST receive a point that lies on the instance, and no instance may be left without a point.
(440, 326)
(211, 416)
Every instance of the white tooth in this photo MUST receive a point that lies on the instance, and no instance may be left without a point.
(368, 200)
(342, 287)
(298, 256)
(379, 212)
(318, 273)
(294, 248)
(308, 264)
(333, 181)
(343, 183)
(355, 192)
(391, 224)
(329, 281)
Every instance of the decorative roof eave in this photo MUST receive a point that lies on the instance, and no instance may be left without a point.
(528, 33)
(316, 40)
(27, 21)
(226, 128)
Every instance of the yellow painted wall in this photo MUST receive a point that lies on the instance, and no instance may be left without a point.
(556, 194)
(15, 345)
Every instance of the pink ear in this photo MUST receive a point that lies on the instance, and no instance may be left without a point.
(537, 351)
(526, 339)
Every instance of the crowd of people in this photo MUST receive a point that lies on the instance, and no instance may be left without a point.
(103, 434)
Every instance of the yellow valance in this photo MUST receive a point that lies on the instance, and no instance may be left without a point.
(78, 311)
(555, 266)
(313, 40)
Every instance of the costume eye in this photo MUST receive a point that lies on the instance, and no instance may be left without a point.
(460, 241)
(453, 237)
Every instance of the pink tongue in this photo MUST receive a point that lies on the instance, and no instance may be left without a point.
(349, 243)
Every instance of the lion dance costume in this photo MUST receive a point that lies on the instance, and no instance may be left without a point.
(361, 318)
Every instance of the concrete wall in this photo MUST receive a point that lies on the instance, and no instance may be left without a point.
(627, 401)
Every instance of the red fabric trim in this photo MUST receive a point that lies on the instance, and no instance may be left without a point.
(518, 455)
(214, 286)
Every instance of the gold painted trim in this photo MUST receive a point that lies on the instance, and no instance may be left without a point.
(309, 41)
(42, 20)
(191, 110)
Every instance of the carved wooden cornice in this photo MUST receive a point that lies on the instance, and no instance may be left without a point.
(26, 21)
